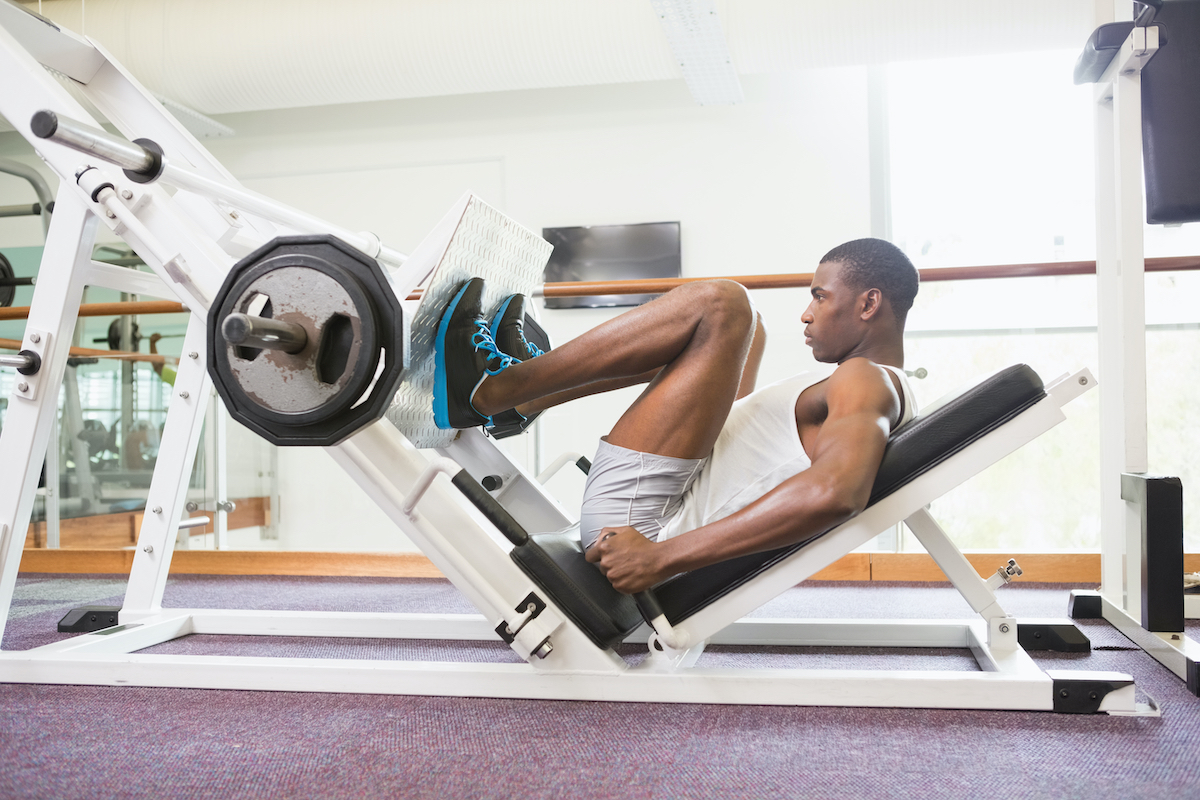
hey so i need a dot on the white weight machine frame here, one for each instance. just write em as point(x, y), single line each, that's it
point(190, 239)
point(1120, 270)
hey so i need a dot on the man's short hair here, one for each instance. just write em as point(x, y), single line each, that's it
point(876, 264)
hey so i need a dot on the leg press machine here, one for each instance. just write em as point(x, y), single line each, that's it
point(227, 253)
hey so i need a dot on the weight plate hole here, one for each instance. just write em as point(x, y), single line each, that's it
point(333, 354)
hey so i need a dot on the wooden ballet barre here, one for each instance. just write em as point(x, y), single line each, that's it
point(108, 309)
point(797, 280)
point(660, 285)
point(802, 279)
point(87, 352)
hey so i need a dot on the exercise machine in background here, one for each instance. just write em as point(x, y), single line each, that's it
point(1147, 114)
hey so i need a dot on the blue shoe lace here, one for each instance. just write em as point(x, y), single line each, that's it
point(482, 340)
point(534, 350)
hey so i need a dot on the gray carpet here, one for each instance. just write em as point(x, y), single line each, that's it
point(67, 742)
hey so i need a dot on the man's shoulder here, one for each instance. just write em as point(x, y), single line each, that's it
point(861, 378)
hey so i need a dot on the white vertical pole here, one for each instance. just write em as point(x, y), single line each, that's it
point(26, 433)
point(1112, 435)
point(1122, 326)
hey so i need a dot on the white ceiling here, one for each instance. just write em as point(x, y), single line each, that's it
point(222, 56)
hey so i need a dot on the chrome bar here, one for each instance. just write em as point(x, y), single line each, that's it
point(96, 142)
point(17, 361)
point(270, 334)
point(21, 210)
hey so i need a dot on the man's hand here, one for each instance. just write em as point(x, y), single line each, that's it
point(628, 559)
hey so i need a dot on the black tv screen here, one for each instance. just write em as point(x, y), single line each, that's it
point(611, 253)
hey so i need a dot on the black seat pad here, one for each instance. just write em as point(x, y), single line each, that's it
point(556, 562)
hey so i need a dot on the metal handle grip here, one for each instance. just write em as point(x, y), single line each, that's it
point(491, 509)
point(140, 160)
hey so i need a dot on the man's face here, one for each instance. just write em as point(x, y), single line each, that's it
point(832, 324)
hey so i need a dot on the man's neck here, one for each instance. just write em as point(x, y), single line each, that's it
point(889, 353)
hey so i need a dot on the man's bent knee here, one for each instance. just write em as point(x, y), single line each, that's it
point(728, 304)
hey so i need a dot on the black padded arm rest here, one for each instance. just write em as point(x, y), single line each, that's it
point(555, 562)
point(1102, 47)
point(941, 431)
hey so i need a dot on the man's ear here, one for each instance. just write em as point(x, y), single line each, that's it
point(870, 302)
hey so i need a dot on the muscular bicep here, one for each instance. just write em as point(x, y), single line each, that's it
point(850, 444)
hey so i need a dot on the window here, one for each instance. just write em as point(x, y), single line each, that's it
point(991, 163)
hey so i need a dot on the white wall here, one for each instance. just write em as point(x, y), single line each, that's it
point(767, 186)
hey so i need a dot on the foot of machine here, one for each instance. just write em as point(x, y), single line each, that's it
point(87, 619)
point(1059, 636)
point(1085, 694)
point(1085, 604)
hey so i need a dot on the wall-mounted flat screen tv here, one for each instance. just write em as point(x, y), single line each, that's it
point(611, 253)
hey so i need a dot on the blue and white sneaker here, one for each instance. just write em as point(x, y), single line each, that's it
point(464, 354)
point(508, 332)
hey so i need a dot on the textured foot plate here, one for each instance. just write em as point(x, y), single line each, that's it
point(472, 240)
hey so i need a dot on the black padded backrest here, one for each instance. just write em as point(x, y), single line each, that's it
point(555, 561)
point(939, 432)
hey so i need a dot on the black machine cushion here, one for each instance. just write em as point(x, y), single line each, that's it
point(1101, 48)
point(556, 562)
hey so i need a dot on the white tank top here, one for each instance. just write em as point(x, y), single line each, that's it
point(758, 449)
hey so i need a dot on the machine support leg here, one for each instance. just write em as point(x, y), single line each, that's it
point(168, 488)
point(34, 410)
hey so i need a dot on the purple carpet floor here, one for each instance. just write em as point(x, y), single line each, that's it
point(110, 742)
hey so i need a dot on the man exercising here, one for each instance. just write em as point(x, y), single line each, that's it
point(702, 468)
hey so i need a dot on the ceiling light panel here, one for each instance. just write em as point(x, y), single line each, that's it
point(694, 33)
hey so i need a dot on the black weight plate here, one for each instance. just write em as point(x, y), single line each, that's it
point(298, 380)
point(381, 315)
point(114, 336)
point(7, 293)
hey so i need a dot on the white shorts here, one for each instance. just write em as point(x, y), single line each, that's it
point(641, 490)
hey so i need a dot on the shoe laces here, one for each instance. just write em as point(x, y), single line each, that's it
point(534, 350)
point(482, 340)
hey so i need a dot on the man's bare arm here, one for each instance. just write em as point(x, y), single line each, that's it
point(846, 456)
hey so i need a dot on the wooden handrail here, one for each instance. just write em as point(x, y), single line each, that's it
point(87, 352)
point(660, 285)
point(795, 280)
point(107, 309)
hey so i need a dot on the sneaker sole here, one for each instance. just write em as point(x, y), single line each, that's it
point(441, 402)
